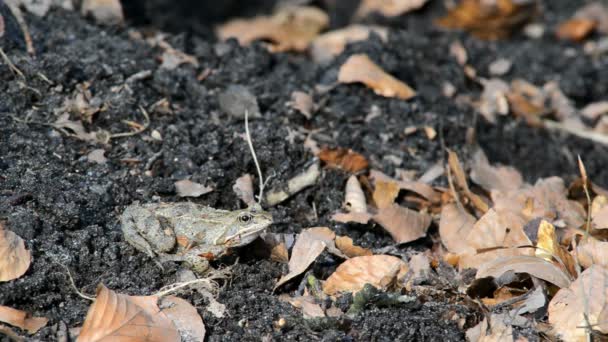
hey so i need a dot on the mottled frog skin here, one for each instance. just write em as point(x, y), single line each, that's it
point(190, 232)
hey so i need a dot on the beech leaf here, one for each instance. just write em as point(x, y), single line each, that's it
point(14, 258)
point(21, 319)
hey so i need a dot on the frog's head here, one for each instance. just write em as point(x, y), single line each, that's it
point(245, 226)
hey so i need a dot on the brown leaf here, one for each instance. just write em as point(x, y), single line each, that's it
point(291, 28)
point(243, 188)
point(599, 212)
point(359, 68)
point(403, 224)
point(185, 317)
point(454, 224)
point(115, 315)
point(385, 194)
point(14, 258)
point(390, 8)
point(188, 188)
point(330, 44)
point(584, 298)
point(524, 107)
point(309, 245)
point(381, 271)
point(548, 248)
point(592, 252)
point(308, 305)
point(497, 329)
point(342, 158)
point(489, 19)
point(493, 99)
point(74, 128)
point(575, 29)
point(418, 187)
point(345, 244)
point(303, 103)
point(108, 12)
point(461, 180)
point(537, 267)
point(21, 319)
point(502, 178)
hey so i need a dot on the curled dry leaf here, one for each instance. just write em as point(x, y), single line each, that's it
point(381, 271)
point(592, 252)
point(343, 158)
point(489, 19)
point(404, 225)
point(243, 188)
point(114, 315)
point(297, 183)
point(108, 12)
point(309, 245)
point(21, 319)
point(385, 193)
point(575, 29)
point(502, 178)
point(359, 68)
point(537, 267)
point(185, 317)
point(418, 187)
point(188, 188)
point(303, 103)
point(330, 44)
point(594, 110)
point(390, 8)
point(497, 329)
point(581, 306)
point(354, 202)
point(460, 179)
point(548, 248)
point(455, 223)
point(291, 28)
point(14, 258)
point(345, 244)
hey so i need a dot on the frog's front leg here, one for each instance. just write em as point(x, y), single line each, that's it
point(144, 231)
point(197, 258)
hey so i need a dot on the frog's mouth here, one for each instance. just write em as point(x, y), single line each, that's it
point(243, 237)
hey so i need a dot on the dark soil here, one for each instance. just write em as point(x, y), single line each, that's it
point(65, 207)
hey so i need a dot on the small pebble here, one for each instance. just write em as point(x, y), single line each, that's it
point(499, 67)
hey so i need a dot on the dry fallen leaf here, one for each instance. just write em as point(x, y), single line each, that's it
point(418, 187)
point(534, 266)
point(493, 99)
point(345, 244)
point(388, 8)
point(310, 309)
point(188, 188)
point(595, 11)
point(404, 225)
point(359, 68)
point(385, 193)
point(21, 319)
point(113, 316)
point(592, 252)
point(243, 188)
point(599, 212)
point(108, 12)
point(575, 29)
point(303, 103)
point(97, 156)
point(291, 28)
point(460, 179)
point(583, 303)
point(343, 158)
point(454, 224)
point(595, 109)
point(73, 128)
point(381, 271)
point(14, 258)
point(309, 245)
point(489, 19)
point(502, 178)
point(330, 44)
point(354, 202)
point(497, 329)
point(185, 317)
point(548, 248)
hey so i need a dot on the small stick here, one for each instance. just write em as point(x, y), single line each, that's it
point(255, 158)
point(581, 133)
point(29, 44)
point(137, 131)
point(10, 64)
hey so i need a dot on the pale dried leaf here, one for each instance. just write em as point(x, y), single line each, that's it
point(493, 99)
point(291, 28)
point(354, 198)
point(330, 44)
point(361, 218)
point(534, 266)
point(76, 128)
point(455, 223)
point(500, 67)
point(243, 188)
point(419, 187)
point(500, 330)
point(404, 224)
point(502, 178)
point(345, 244)
point(594, 110)
point(388, 8)
point(114, 316)
point(21, 319)
point(309, 245)
point(381, 271)
point(310, 309)
point(599, 212)
point(15, 259)
point(188, 188)
point(592, 252)
point(498, 229)
point(108, 12)
point(359, 68)
point(185, 317)
point(548, 247)
point(97, 156)
point(585, 297)
point(385, 193)
point(303, 103)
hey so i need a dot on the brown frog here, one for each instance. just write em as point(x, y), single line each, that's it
point(190, 232)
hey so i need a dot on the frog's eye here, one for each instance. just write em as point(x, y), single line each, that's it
point(245, 218)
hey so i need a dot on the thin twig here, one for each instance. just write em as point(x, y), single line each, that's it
point(255, 158)
point(74, 284)
point(583, 171)
point(137, 131)
point(581, 133)
point(10, 64)
point(29, 44)
point(208, 280)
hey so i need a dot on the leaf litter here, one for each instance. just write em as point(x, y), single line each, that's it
point(15, 259)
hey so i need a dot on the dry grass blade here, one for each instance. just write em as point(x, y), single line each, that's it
point(360, 69)
point(116, 316)
point(381, 271)
point(537, 267)
point(461, 181)
point(14, 258)
point(21, 319)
